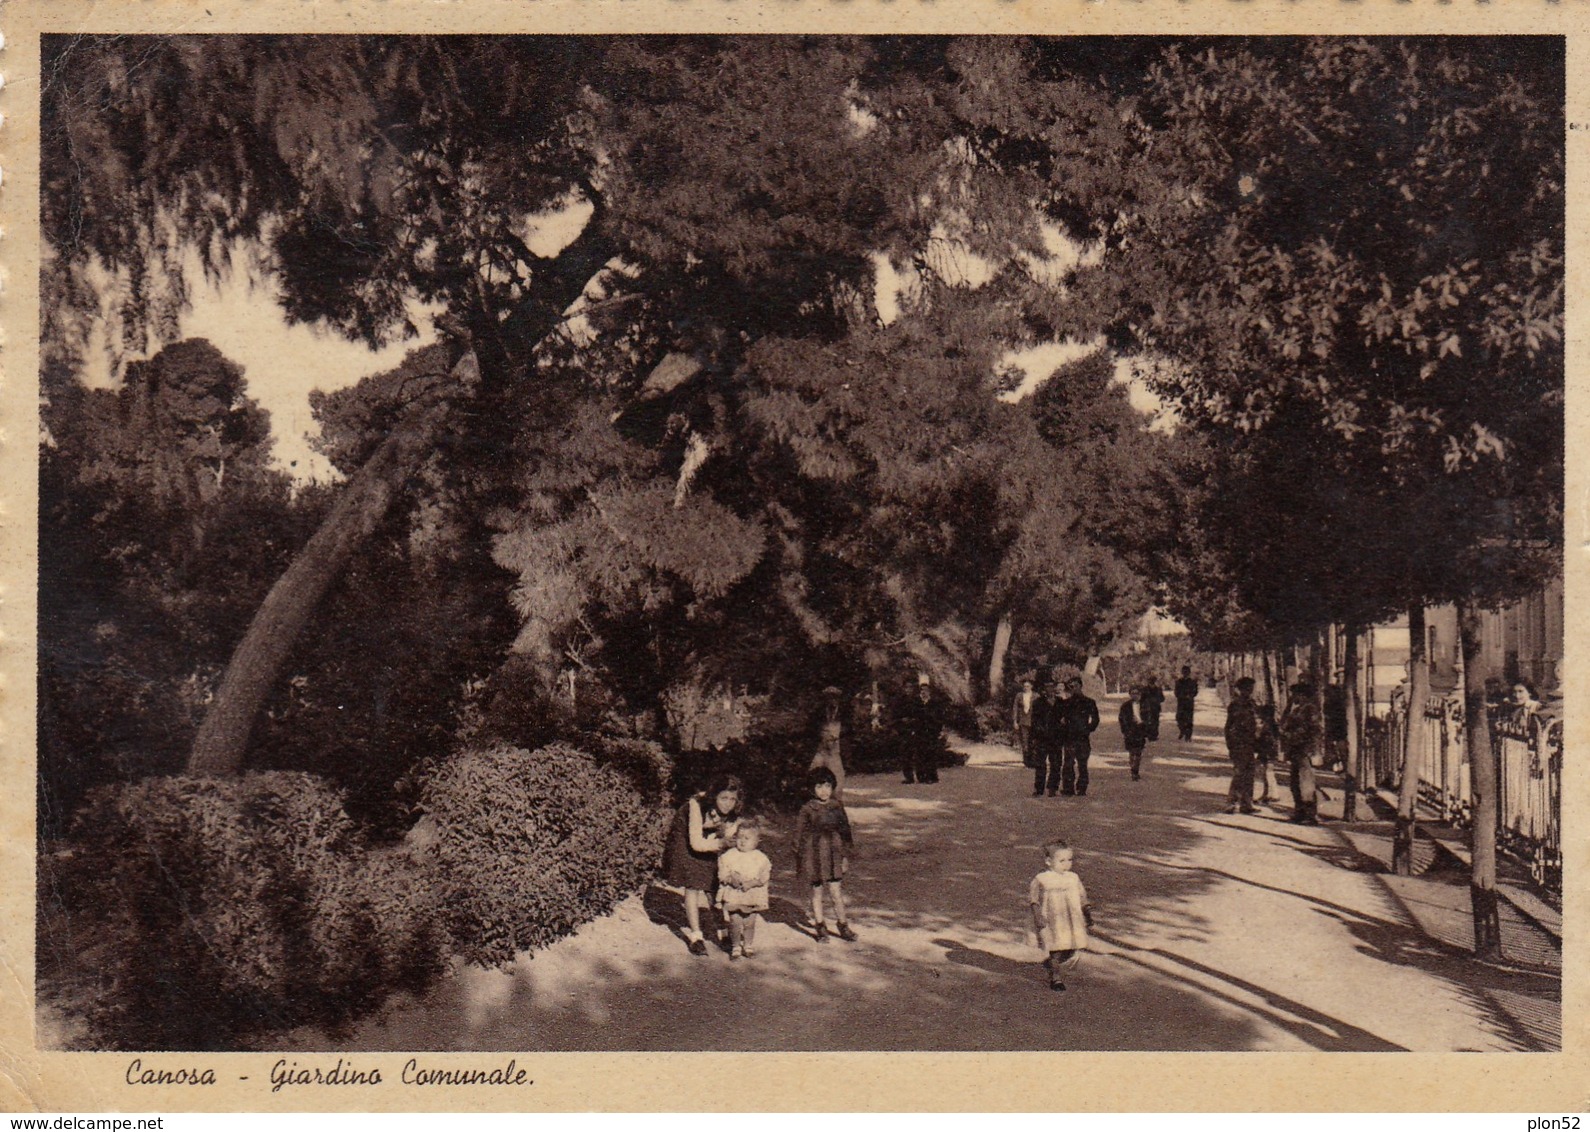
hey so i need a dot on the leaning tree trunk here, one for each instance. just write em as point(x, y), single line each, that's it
point(1354, 723)
point(1483, 776)
point(1412, 746)
point(365, 498)
point(257, 661)
point(996, 663)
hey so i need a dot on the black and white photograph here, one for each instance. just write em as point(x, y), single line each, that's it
point(680, 543)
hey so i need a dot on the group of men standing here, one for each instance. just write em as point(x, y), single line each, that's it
point(1054, 729)
point(1250, 730)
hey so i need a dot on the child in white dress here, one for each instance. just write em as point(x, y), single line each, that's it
point(743, 876)
point(1060, 912)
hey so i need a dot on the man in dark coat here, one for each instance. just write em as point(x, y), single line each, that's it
point(1132, 734)
point(1045, 741)
point(1300, 734)
point(1186, 696)
point(1079, 719)
point(921, 723)
point(1151, 701)
point(1242, 743)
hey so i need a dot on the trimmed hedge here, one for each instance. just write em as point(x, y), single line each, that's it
point(530, 845)
point(222, 908)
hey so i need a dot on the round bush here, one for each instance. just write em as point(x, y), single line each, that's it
point(227, 907)
point(530, 845)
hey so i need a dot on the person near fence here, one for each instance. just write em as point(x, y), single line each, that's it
point(1133, 736)
point(1265, 754)
point(1300, 733)
point(1079, 719)
point(1242, 741)
point(1336, 724)
point(1524, 702)
point(1186, 690)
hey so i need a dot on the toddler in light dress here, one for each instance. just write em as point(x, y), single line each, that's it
point(1060, 912)
point(744, 873)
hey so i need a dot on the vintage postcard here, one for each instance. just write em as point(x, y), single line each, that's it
point(631, 555)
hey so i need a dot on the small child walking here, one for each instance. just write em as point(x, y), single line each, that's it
point(822, 851)
point(1060, 912)
point(743, 876)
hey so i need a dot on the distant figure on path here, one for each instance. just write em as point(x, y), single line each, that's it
point(703, 827)
point(1242, 740)
point(1133, 736)
point(1153, 701)
point(921, 724)
point(1269, 750)
point(1079, 719)
point(830, 738)
point(1060, 912)
point(822, 852)
point(1336, 724)
point(1300, 733)
point(1021, 721)
point(1186, 696)
point(744, 873)
point(1047, 741)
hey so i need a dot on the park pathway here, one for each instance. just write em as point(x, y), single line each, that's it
point(1213, 932)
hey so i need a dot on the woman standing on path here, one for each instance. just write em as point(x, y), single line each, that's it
point(703, 827)
point(830, 738)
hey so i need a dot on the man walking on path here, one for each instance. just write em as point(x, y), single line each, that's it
point(1300, 733)
point(921, 723)
point(1242, 742)
point(1186, 695)
point(1153, 702)
point(1046, 741)
point(1079, 718)
point(1021, 721)
point(1133, 737)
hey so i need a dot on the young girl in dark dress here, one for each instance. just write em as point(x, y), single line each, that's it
point(822, 851)
point(703, 827)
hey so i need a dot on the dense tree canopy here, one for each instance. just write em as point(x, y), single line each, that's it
point(724, 325)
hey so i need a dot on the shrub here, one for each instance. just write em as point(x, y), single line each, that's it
point(993, 724)
point(530, 845)
point(226, 907)
point(641, 761)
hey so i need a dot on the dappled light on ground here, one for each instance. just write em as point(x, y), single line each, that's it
point(1213, 931)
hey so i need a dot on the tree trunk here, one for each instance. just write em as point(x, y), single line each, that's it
point(1483, 776)
point(257, 661)
point(1413, 744)
point(996, 663)
point(1318, 674)
point(219, 747)
point(1354, 723)
point(1269, 679)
